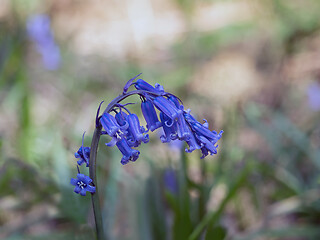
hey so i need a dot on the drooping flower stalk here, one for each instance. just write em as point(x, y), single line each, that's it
point(127, 134)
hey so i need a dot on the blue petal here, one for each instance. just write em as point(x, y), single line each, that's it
point(135, 129)
point(182, 128)
point(81, 177)
point(169, 128)
point(110, 124)
point(175, 101)
point(128, 153)
point(193, 144)
point(150, 115)
point(113, 142)
point(207, 144)
point(77, 155)
point(83, 192)
point(121, 118)
point(77, 189)
point(201, 130)
point(143, 85)
point(167, 107)
point(74, 181)
point(80, 162)
point(90, 189)
point(124, 160)
point(189, 118)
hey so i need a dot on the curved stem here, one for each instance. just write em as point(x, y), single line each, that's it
point(93, 162)
point(93, 176)
point(118, 99)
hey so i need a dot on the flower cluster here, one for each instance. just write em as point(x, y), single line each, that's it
point(127, 134)
point(176, 122)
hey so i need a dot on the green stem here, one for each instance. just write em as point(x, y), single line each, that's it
point(93, 176)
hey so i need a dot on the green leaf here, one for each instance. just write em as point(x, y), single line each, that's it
point(210, 219)
point(216, 233)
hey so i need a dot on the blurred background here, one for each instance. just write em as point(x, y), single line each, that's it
point(250, 67)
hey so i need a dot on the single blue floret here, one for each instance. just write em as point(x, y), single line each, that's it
point(83, 153)
point(167, 107)
point(136, 131)
point(143, 85)
point(169, 128)
point(129, 154)
point(150, 115)
point(113, 129)
point(183, 129)
point(82, 184)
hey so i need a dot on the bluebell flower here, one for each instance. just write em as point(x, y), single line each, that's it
point(83, 153)
point(129, 154)
point(39, 31)
point(150, 115)
point(175, 101)
point(121, 118)
point(143, 85)
point(110, 124)
point(82, 184)
point(183, 130)
point(202, 129)
point(169, 128)
point(136, 131)
point(202, 137)
point(193, 144)
point(206, 146)
point(167, 107)
point(112, 128)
